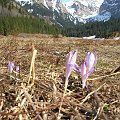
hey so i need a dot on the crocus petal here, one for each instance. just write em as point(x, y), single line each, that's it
point(88, 67)
point(90, 60)
point(77, 69)
point(71, 63)
point(10, 66)
point(83, 69)
point(84, 74)
point(70, 54)
point(71, 57)
point(90, 71)
point(74, 57)
point(17, 68)
point(69, 69)
point(84, 79)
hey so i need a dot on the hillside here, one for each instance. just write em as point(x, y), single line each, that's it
point(15, 19)
point(11, 8)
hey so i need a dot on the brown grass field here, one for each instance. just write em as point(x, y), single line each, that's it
point(35, 93)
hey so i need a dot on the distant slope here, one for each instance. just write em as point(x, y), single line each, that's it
point(15, 19)
point(54, 12)
point(11, 8)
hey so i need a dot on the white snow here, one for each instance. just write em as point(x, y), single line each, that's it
point(104, 17)
point(89, 16)
point(93, 15)
point(96, 3)
point(116, 38)
point(45, 4)
point(54, 5)
point(92, 3)
point(30, 10)
point(90, 37)
point(23, 2)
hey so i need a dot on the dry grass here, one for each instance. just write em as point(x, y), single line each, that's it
point(35, 93)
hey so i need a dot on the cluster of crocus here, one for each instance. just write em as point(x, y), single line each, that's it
point(86, 68)
point(11, 66)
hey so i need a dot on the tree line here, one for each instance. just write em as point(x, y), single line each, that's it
point(101, 29)
point(13, 25)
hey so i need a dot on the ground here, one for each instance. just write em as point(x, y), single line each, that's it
point(37, 94)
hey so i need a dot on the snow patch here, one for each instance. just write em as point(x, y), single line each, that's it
point(88, 3)
point(104, 17)
point(23, 2)
point(116, 38)
point(45, 4)
point(30, 10)
point(54, 5)
point(90, 37)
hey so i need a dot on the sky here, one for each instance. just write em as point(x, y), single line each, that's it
point(65, 0)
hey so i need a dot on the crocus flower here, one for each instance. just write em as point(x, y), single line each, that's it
point(11, 66)
point(71, 63)
point(70, 66)
point(17, 68)
point(87, 67)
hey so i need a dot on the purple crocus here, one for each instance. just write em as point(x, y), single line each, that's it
point(71, 63)
point(17, 68)
point(11, 66)
point(70, 66)
point(87, 67)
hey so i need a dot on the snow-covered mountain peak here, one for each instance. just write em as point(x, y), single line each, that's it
point(83, 8)
point(23, 2)
point(96, 3)
point(74, 10)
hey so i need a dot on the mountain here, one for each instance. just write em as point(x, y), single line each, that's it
point(111, 6)
point(74, 11)
point(50, 10)
point(108, 9)
point(14, 19)
point(11, 8)
point(83, 9)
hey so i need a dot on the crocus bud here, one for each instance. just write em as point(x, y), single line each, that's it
point(71, 63)
point(87, 67)
point(17, 68)
point(11, 66)
point(90, 61)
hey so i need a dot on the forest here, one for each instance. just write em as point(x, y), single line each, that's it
point(14, 25)
point(101, 29)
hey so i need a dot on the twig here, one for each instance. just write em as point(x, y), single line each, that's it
point(1, 105)
point(27, 95)
point(32, 67)
point(105, 76)
point(91, 94)
point(116, 69)
point(100, 109)
point(65, 90)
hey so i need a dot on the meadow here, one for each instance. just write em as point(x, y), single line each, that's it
point(36, 90)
